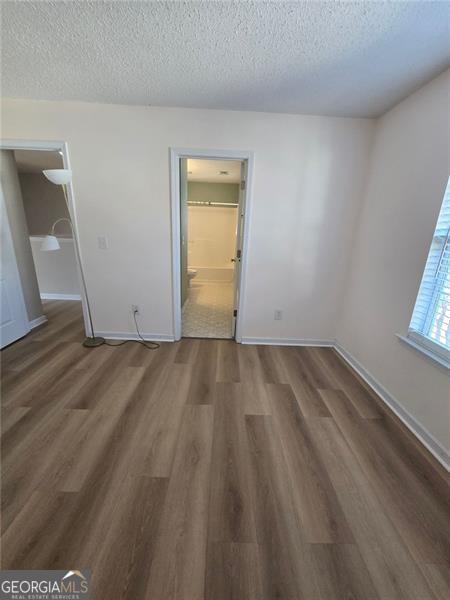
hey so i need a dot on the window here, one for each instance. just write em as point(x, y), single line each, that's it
point(430, 323)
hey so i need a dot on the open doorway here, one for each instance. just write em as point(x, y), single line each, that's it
point(210, 199)
point(209, 209)
point(44, 205)
point(46, 284)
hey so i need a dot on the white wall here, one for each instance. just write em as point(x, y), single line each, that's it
point(409, 171)
point(56, 271)
point(43, 203)
point(211, 236)
point(308, 178)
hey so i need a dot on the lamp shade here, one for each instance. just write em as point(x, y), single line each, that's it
point(50, 242)
point(58, 176)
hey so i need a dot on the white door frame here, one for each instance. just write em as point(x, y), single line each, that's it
point(175, 155)
point(62, 147)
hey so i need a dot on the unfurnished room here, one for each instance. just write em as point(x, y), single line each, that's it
point(225, 300)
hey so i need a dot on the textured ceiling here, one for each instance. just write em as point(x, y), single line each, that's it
point(210, 170)
point(333, 58)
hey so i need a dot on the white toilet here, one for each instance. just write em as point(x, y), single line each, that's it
point(191, 274)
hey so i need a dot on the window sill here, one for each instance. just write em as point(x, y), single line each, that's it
point(425, 351)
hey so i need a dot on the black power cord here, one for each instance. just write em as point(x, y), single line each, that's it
point(148, 345)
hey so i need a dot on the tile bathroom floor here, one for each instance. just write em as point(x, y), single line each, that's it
point(208, 311)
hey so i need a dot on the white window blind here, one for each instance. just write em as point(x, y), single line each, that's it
point(430, 323)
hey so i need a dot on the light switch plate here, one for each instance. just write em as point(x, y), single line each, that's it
point(102, 242)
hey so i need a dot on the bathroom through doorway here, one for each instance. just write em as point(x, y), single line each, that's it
point(211, 226)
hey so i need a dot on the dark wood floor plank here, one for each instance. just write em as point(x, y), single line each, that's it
point(227, 362)
point(418, 458)
point(102, 427)
point(99, 493)
point(254, 399)
point(302, 383)
point(204, 374)
point(32, 536)
point(156, 368)
point(417, 513)
point(35, 381)
point(340, 572)
point(342, 378)
point(230, 504)
point(392, 569)
point(317, 376)
point(25, 431)
point(121, 570)
point(61, 393)
point(315, 498)
point(187, 350)
point(158, 432)
point(24, 471)
point(178, 567)
point(124, 414)
point(94, 388)
point(272, 367)
point(67, 331)
point(21, 353)
point(143, 355)
point(11, 416)
point(438, 577)
point(233, 572)
point(285, 557)
point(21, 350)
point(58, 317)
point(250, 364)
point(31, 357)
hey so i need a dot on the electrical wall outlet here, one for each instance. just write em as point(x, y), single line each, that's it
point(135, 309)
point(278, 315)
point(102, 242)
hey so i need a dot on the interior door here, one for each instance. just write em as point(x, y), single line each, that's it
point(184, 229)
point(239, 240)
point(14, 322)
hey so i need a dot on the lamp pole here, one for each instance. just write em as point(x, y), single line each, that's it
point(93, 340)
point(62, 177)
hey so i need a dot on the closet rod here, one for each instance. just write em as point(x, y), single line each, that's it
point(199, 203)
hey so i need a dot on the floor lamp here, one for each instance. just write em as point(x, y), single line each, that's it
point(62, 177)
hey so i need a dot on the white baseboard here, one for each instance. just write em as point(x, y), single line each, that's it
point(124, 335)
point(285, 342)
point(38, 321)
point(46, 296)
point(425, 437)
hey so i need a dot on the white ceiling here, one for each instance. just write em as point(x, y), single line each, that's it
point(35, 161)
point(209, 170)
point(333, 58)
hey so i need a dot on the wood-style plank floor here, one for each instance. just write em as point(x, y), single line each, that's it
point(209, 470)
